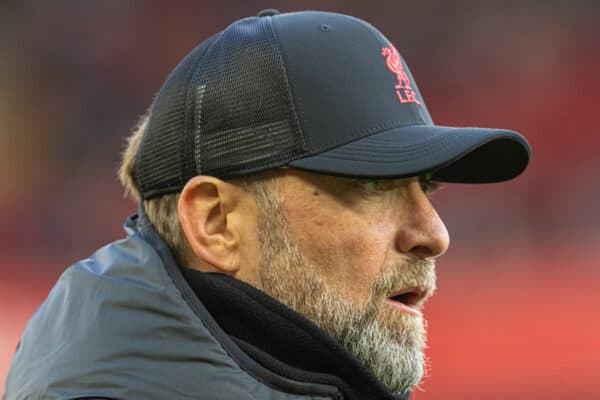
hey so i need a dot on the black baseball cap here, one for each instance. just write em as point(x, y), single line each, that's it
point(318, 91)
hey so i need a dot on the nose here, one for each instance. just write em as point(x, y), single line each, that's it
point(421, 231)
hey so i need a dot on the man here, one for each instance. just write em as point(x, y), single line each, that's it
point(284, 244)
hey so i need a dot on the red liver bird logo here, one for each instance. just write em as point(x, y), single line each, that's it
point(404, 90)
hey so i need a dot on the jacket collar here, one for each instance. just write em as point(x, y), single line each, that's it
point(258, 329)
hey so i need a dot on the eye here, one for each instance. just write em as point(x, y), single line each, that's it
point(428, 186)
point(372, 186)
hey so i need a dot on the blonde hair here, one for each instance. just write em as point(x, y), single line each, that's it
point(162, 211)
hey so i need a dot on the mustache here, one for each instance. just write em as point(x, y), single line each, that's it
point(411, 272)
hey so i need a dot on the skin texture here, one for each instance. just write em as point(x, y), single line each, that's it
point(219, 221)
point(351, 231)
point(331, 248)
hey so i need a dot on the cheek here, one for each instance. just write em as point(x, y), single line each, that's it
point(249, 257)
point(348, 250)
point(365, 247)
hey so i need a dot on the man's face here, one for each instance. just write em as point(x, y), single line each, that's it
point(337, 249)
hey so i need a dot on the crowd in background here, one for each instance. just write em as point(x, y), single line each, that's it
point(75, 76)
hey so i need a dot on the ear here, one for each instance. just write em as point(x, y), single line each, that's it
point(206, 209)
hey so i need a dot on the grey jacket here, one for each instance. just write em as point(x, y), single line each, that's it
point(126, 324)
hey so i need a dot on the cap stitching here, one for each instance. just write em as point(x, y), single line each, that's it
point(414, 154)
point(384, 150)
point(197, 153)
point(376, 129)
point(295, 102)
point(287, 83)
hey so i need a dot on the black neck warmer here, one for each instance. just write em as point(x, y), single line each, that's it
point(281, 339)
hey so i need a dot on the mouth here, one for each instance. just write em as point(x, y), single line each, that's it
point(409, 301)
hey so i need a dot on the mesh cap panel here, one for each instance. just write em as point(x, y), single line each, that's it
point(225, 111)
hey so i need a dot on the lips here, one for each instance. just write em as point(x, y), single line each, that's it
point(408, 300)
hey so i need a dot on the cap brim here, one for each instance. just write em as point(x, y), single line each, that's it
point(466, 155)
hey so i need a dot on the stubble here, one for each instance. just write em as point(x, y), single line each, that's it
point(390, 343)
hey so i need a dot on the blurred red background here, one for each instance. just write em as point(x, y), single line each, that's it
point(516, 311)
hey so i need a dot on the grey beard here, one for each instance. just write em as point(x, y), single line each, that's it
point(390, 344)
point(393, 351)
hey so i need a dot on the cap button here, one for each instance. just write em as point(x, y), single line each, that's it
point(268, 12)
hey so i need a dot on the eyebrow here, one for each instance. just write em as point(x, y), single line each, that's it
point(432, 185)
